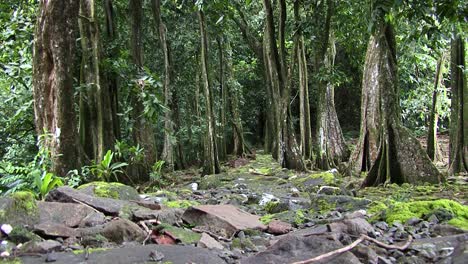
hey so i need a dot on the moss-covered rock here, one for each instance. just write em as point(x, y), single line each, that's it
point(186, 236)
point(181, 203)
point(296, 217)
point(19, 209)
point(402, 211)
point(342, 203)
point(20, 234)
point(113, 190)
point(243, 243)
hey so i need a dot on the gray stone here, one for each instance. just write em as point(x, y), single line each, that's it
point(222, 217)
point(113, 190)
point(169, 216)
point(340, 203)
point(55, 230)
point(298, 248)
point(41, 247)
point(354, 226)
point(68, 214)
point(19, 209)
point(139, 254)
point(206, 241)
point(122, 230)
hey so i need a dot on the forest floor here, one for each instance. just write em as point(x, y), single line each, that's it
point(252, 212)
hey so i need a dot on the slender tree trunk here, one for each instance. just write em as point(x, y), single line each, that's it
point(143, 134)
point(304, 105)
point(432, 146)
point(288, 153)
point(458, 158)
point(95, 111)
point(222, 139)
point(53, 63)
point(211, 165)
point(111, 78)
point(168, 150)
point(400, 157)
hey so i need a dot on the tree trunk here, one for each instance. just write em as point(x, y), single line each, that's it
point(458, 158)
point(304, 105)
point(222, 84)
point(168, 150)
point(432, 146)
point(400, 157)
point(95, 110)
point(143, 134)
point(287, 153)
point(53, 64)
point(211, 165)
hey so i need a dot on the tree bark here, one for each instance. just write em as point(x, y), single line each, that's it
point(222, 84)
point(458, 158)
point(211, 165)
point(168, 149)
point(96, 125)
point(143, 134)
point(400, 157)
point(53, 63)
point(288, 153)
point(432, 146)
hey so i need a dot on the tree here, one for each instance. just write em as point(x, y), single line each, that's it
point(458, 157)
point(287, 153)
point(96, 125)
point(397, 156)
point(211, 163)
point(53, 63)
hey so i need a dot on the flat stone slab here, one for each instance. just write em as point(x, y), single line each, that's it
point(65, 194)
point(224, 220)
point(69, 214)
point(298, 248)
point(169, 216)
point(137, 254)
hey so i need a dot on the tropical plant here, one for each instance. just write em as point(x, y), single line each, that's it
point(105, 169)
point(45, 182)
point(156, 174)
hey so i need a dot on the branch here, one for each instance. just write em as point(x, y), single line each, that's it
point(353, 245)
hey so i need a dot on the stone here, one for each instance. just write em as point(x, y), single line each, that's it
point(41, 247)
point(433, 248)
point(447, 230)
point(112, 190)
point(168, 215)
point(52, 229)
point(222, 217)
point(184, 235)
point(19, 209)
point(277, 227)
point(293, 248)
point(329, 190)
point(68, 214)
point(108, 206)
point(341, 203)
point(206, 241)
point(122, 230)
point(6, 229)
point(139, 254)
point(354, 226)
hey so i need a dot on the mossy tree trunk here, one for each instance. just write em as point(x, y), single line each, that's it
point(399, 157)
point(53, 63)
point(288, 152)
point(143, 134)
point(96, 125)
point(329, 144)
point(458, 158)
point(432, 146)
point(211, 163)
point(223, 108)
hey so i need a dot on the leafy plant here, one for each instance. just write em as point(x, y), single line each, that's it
point(156, 175)
point(46, 182)
point(105, 169)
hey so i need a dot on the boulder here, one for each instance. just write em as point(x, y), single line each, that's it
point(52, 229)
point(341, 203)
point(169, 216)
point(298, 248)
point(223, 220)
point(114, 190)
point(122, 230)
point(206, 241)
point(277, 227)
point(69, 214)
point(450, 249)
point(19, 209)
point(354, 227)
point(41, 247)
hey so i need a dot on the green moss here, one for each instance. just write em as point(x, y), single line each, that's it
point(24, 201)
point(90, 250)
point(180, 203)
point(185, 235)
point(327, 177)
point(266, 219)
point(236, 243)
point(281, 181)
point(185, 192)
point(270, 206)
point(402, 211)
point(165, 193)
point(210, 182)
point(11, 261)
point(114, 190)
point(20, 234)
point(300, 217)
point(324, 206)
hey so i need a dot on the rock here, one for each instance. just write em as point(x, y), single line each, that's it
point(52, 229)
point(41, 247)
point(365, 254)
point(276, 227)
point(19, 209)
point(122, 230)
point(65, 194)
point(266, 197)
point(69, 214)
point(354, 226)
point(329, 190)
point(433, 249)
point(169, 215)
point(243, 243)
point(273, 207)
point(342, 203)
point(149, 204)
point(447, 230)
point(222, 217)
point(20, 234)
point(186, 236)
point(6, 229)
point(206, 241)
point(51, 257)
point(298, 248)
point(139, 254)
point(112, 190)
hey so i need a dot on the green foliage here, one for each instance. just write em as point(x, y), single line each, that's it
point(45, 183)
point(105, 169)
